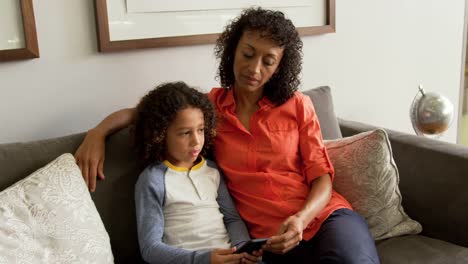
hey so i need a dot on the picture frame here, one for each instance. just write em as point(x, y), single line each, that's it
point(106, 44)
point(29, 48)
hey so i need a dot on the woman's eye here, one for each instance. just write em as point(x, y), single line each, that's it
point(248, 55)
point(201, 130)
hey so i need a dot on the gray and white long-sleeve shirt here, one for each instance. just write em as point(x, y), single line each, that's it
point(182, 214)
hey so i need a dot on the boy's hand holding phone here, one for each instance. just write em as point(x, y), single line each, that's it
point(252, 258)
point(228, 256)
point(252, 250)
point(252, 245)
point(225, 256)
point(242, 255)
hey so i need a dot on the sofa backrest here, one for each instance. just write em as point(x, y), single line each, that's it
point(114, 197)
point(323, 103)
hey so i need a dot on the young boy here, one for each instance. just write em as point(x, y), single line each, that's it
point(184, 211)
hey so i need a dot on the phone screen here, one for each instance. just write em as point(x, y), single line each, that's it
point(252, 245)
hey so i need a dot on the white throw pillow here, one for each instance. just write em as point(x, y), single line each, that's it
point(49, 217)
point(367, 176)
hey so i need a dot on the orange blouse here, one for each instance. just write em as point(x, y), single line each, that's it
point(269, 169)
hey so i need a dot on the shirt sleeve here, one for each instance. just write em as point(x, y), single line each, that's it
point(313, 152)
point(149, 203)
point(235, 226)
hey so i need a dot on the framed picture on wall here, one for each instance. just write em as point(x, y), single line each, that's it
point(18, 37)
point(136, 24)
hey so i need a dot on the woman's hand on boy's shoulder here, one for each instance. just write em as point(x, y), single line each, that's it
point(227, 256)
point(90, 158)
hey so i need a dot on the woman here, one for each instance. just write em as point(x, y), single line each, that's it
point(269, 147)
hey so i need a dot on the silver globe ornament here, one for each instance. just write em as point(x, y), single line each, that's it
point(431, 113)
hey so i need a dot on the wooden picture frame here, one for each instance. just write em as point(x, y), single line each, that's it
point(105, 44)
point(31, 47)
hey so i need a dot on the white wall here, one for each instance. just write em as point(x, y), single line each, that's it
point(382, 51)
point(374, 62)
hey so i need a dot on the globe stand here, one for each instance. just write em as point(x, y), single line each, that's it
point(431, 114)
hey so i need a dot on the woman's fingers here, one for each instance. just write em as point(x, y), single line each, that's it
point(90, 169)
point(101, 170)
point(283, 228)
point(279, 239)
point(290, 245)
point(283, 243)
point(90, 158)
point(92, 176)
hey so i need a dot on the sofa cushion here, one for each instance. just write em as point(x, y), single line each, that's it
point(322, 99)
point(49, 217)
point(367, 176)
point(416, 249)
point(114, 197)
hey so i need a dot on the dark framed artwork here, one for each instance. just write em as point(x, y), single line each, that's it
point(18, 37)
point(132, 24)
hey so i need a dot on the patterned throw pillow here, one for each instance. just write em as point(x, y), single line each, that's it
point(49, 217)
point(367, 176)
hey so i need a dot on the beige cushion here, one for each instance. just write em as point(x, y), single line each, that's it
point(49, 217)
point(367, 176)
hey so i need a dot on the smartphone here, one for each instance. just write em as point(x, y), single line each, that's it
point(252, 245)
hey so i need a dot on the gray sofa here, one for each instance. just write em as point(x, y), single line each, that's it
point(433, 183)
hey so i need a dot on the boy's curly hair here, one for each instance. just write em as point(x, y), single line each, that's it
point(158, 109)
point(275, 26)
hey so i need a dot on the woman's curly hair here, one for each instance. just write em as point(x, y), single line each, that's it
point(157, 110)
point(275, 26)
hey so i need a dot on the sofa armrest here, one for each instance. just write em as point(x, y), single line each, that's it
point(433, 181)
